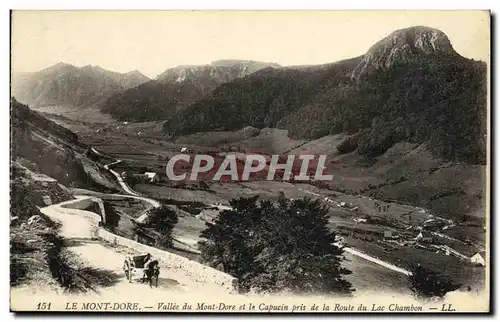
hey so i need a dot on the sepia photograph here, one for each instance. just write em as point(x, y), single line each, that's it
point(250, 161)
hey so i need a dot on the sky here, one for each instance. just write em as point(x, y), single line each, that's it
point(153, 41)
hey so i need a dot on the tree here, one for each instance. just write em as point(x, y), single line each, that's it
point(131, 180)
point(163, 220)
point(112, 217)
point(226, 243)
point(427, 284)
point(273, 248)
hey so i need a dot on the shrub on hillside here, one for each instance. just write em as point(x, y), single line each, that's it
point(350, 144)
point(163, 220)
point(427, 284)
point(112, 217)
point(273, 248)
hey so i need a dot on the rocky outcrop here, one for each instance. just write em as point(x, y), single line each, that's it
point(218, 72)
point(400, 45)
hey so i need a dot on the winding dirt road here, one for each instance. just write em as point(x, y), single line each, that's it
point(119, 178)
point(126, 187)
point(79, 231)
point(80, 234)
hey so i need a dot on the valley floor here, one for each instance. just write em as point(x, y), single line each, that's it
point(149, 150)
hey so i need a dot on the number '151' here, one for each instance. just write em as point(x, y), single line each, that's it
point(43, 306)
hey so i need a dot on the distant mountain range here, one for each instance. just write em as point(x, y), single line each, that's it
point(65, 84)
point(177, 88)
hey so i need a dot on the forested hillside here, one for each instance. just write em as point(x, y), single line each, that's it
point(175, 89)
point(411, 86)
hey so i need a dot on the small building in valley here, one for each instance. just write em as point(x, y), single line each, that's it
point(152, 177)
point(424, 237)
point(479, 258)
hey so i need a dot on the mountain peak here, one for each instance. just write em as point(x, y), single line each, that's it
point(58, 66)
point(234, 62)
point(402, 44)
point(93, 67)
point(65, 84)
point(136, 77)
point(134, 72)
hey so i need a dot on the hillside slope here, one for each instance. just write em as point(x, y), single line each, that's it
point(45, 147)
point(65, 84)
point(32, 251)
point(411, 86)
point(259, 100)
point(175, 89)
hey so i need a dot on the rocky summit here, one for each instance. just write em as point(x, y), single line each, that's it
point(402, 44)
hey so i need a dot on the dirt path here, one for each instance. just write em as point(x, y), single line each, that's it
point(80, 235)
point(77, 226)
point(126, 187)
point(49, 142)
point(119, 178)
point(375, 260)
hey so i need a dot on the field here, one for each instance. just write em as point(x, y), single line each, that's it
point(82, 115)
point(460, 271)
point(247, 139)
point(128, 207)
point(369, 277)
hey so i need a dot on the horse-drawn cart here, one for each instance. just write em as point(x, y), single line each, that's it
point(141, 266)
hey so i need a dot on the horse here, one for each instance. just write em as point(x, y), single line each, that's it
point(152, 271)
point(133, 263)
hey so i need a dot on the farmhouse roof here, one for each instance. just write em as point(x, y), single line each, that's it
point(481, 253)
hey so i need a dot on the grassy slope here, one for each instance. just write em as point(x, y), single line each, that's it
point(54, 150)
point(38, 260)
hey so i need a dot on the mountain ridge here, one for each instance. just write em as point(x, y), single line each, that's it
point(66, 84)
point(176, 88)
